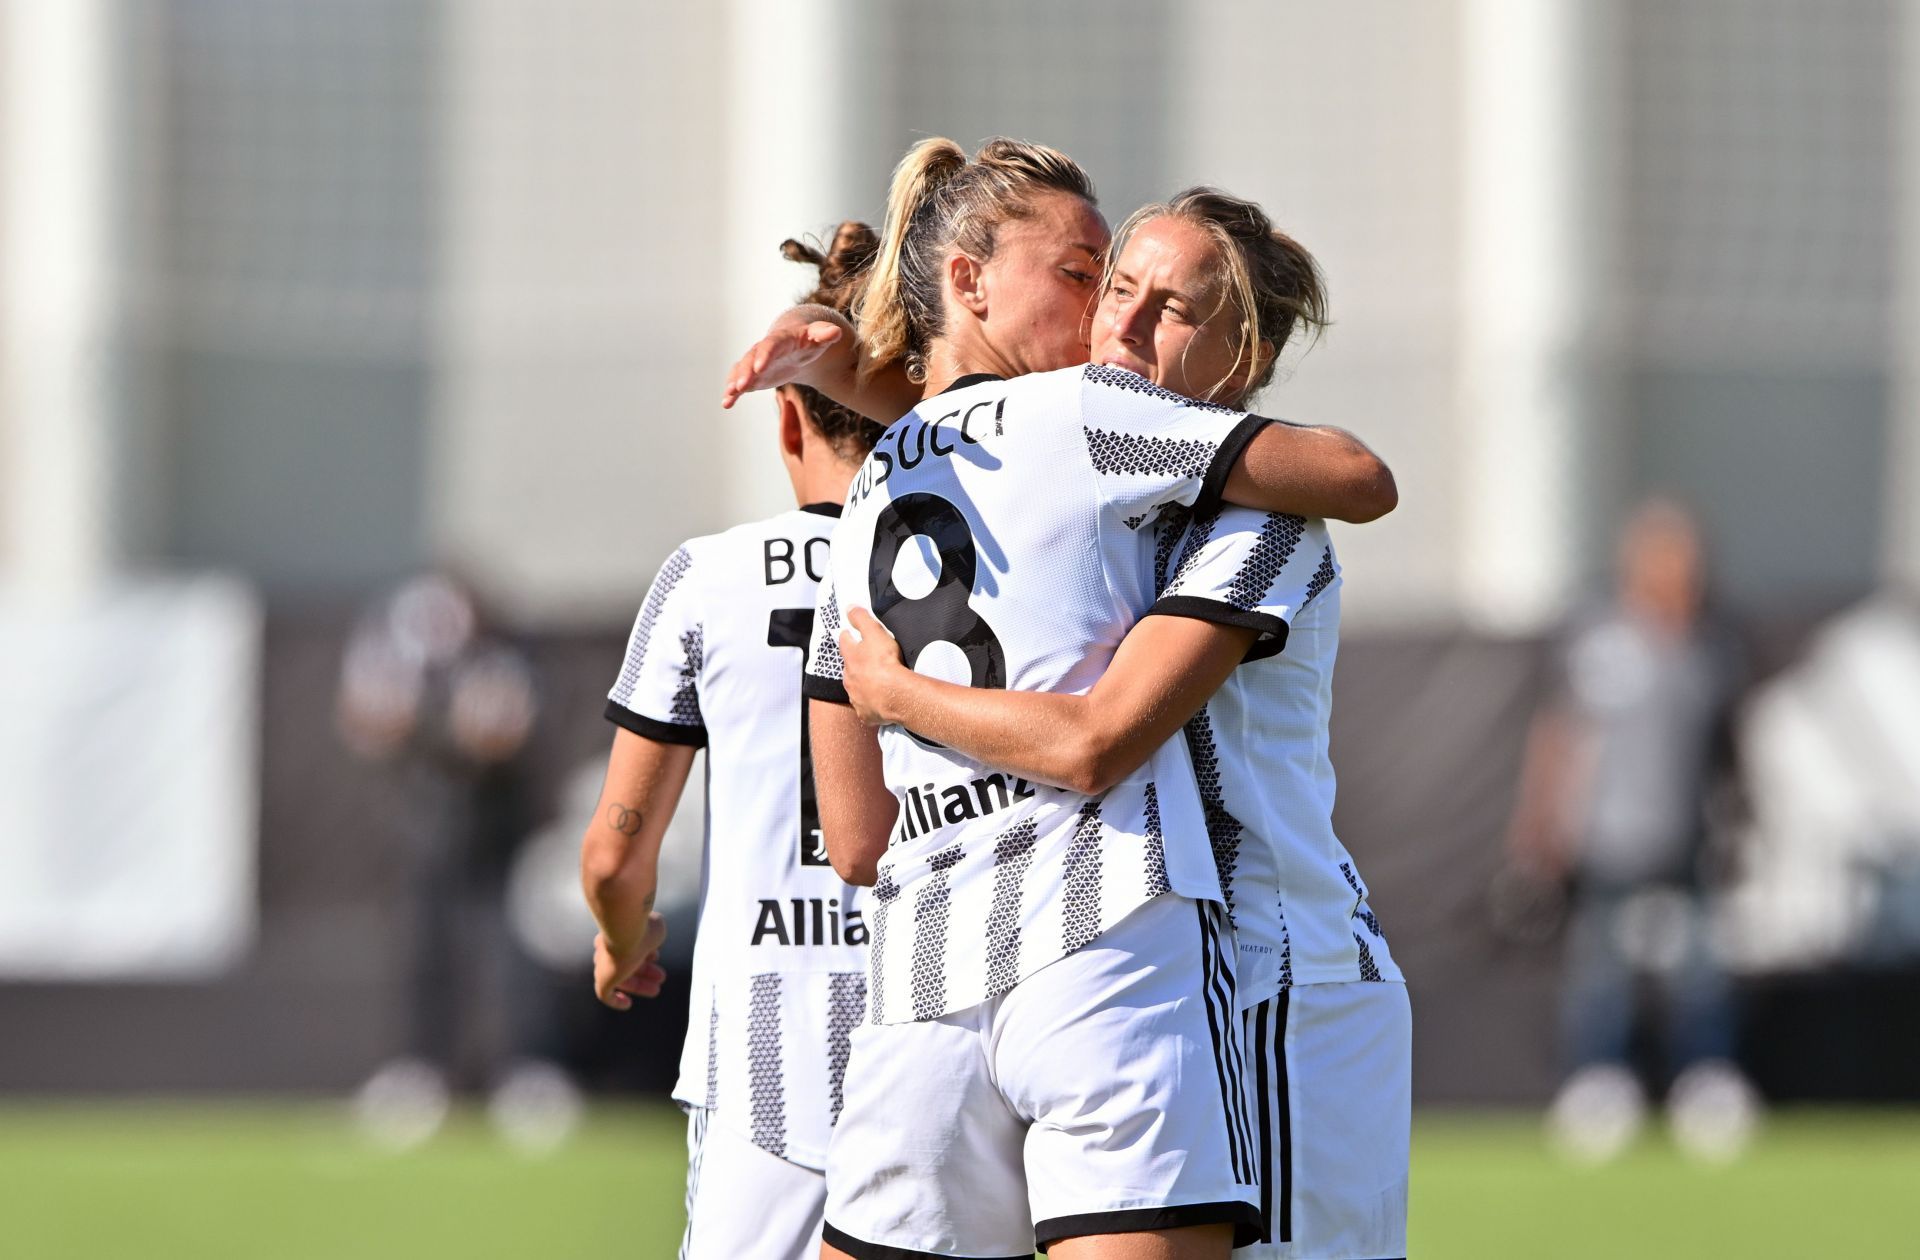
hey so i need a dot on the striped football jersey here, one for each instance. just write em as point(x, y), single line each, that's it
point(1000, 532)
point(779, 961)
point(1259, 747)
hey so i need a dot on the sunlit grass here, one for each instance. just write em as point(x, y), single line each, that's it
point(268, 1180)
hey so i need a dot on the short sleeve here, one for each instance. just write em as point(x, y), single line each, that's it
point(658, 692)
point(824, 678)
point(1242, 567)
point(1152, 448)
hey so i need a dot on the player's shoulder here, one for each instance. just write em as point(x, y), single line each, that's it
point(748, 538)
point(815, 518)
point(1230, 527)
point(1113, 384)
point(694, 562)
point(1317, 539)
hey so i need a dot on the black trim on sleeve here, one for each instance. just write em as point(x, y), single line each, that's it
point(860, 1249)
point(1273, 630)
point(654, 729)
point(821, 509)
point(1215, 483)
point(1244, 1217)
point(814, 687)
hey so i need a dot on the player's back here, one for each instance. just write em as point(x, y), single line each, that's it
point(999, 533)
point(715, 660)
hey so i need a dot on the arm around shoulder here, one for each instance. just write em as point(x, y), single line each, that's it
point(1314, 472)
point(817, 346)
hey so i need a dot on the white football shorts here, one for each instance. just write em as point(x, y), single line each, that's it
point(1330, 1067)
point(1104, 1094)
point(745, 1203)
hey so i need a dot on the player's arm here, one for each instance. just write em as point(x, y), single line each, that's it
point(620, 862)
point(857, 812)
point(1149, 447)
point(1312, 471)
point(1161, 675)
point(816, 346)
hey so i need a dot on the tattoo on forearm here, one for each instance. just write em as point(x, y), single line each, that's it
point(623, 820)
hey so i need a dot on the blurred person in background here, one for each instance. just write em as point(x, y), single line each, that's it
point(429, 690)
point(779, 970)
point(1624, 771)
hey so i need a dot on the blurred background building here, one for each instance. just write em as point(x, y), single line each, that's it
point(299, 300)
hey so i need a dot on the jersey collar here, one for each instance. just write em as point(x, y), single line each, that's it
point(821, 509)
point(971, 378)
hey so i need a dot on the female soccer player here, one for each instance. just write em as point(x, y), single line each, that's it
point(1052, 1038)
point(1202, 296)
point(779, 965)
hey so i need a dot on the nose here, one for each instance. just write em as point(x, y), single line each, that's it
point(1129, 321)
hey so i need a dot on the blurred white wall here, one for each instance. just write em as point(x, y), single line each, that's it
point(1344, 122)
point(58, 307)
point(1900, 543)
point(581, 213)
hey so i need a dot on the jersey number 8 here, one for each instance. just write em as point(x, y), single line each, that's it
point(943, 614)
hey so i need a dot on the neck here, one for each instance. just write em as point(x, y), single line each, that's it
point(822, 481)
point(951, 358)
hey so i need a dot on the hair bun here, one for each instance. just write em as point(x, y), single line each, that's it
point(853, 248)
point(842, 265)
point(801, 252)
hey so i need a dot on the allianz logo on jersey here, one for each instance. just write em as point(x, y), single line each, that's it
point(807, 921)
point(926, 809)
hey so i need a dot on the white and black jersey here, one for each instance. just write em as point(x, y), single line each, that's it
point(1259, 747)
point(779, 963)
point(1000, 532)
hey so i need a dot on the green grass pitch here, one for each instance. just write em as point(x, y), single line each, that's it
point(271, 1180)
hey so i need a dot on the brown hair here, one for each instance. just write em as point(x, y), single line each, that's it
point(1274, 284)
point(842, 273)
point(941, 200)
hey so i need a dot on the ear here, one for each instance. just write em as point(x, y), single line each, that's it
point(793, 421)
point(1262, 357)
point(967, 280)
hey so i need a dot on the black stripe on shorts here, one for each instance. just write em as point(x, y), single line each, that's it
point(1217, 990)
point(1267, 1025)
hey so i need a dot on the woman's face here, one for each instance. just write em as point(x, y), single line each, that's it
point(1042, 281)
point(1163, 318)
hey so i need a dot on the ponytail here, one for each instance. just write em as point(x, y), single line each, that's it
point(893, 309)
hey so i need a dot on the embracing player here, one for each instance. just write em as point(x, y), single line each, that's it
point(779, 964)
point(1203, 295)
point(1053, 1054)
